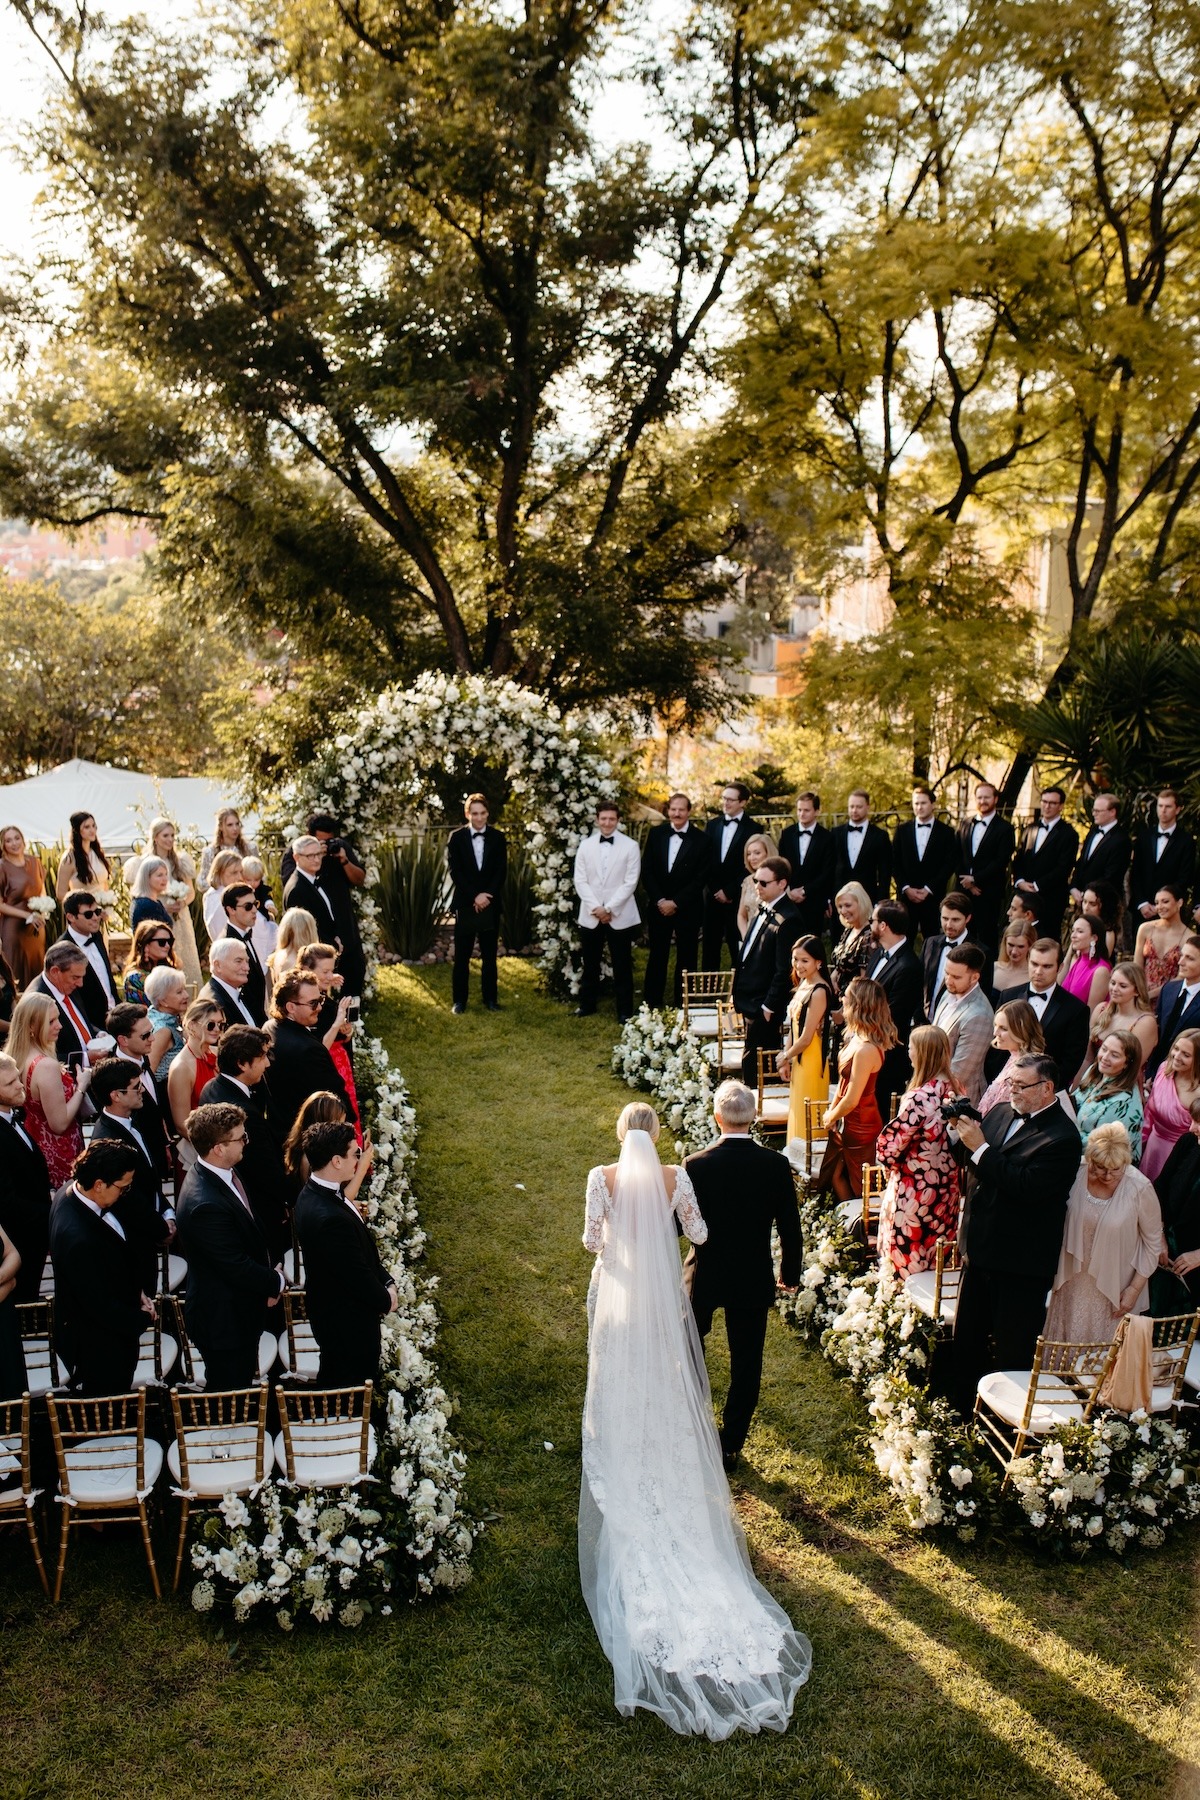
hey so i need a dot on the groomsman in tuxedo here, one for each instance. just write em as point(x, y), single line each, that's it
point(1065, 1021)
point(607, 865)
point(956, 913)
point(241, 911)
point(85, 920)
point(898, 973)
point(1106, 851)
point(807, 847)
point(229, 971)
point(477, 857)
point(25, 1189)
point(1178, 1006)
point(62, 979)
point(1043, 864)
point(100, 1306)
point(243, 1059)
point(148, 1219)
point(862, 852)
point(674, 867)
point(348, 1289)
point(1163, 851)
point(985, 850)
point(130, 1026)
point(726, 838)
point(304, 888)
point(762, 979)
point(924, 857)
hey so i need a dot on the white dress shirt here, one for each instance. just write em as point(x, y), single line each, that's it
point(1165, 832)
point(673, 843)
point(856, 836)
point(214, 981)
point(728, 830)
point(477, 847)
point(977, 831)
point(924, 827)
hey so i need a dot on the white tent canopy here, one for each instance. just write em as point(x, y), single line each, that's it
point(122, 801)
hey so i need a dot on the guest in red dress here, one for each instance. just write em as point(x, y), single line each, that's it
point(921, 1200)
point(853, 1121)
point(53, 1095)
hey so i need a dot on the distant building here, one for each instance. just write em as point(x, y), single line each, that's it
point(772, 668)
point(29, 550)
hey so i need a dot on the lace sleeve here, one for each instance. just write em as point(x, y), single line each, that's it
point(687, 1211)
point(595, 1210)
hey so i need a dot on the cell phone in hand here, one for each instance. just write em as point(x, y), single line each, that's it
point(354, 1011)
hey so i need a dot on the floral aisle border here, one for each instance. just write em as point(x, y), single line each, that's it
point(655, 1053)
point(333, 1556)
point(374, 770)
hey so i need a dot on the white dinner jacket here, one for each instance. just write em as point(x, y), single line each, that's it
point(607, 875)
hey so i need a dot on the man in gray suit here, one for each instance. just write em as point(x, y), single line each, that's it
point(964, 1013)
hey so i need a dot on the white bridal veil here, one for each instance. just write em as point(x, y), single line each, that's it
point(690, 1633)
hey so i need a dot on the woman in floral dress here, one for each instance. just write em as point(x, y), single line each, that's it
point(921, 1200)
point(1159, 941)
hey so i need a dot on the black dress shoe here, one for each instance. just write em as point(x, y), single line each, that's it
point(490, 1006)
point(583, 1012)
point(730, 1460)
point(458, 1008)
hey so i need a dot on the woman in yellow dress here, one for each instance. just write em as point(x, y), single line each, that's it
point(809, 1012)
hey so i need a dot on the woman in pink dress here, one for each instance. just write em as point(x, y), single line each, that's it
point(1175, 1087)
point(853, 1122)
point(1087, 969)
point(53, 1095)
point(921, 1200)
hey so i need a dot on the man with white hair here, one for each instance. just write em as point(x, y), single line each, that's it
point(743, 1190)
point(229, 965)
point(304, 888)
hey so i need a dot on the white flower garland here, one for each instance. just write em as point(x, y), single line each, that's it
point(373, 774)
point(656, 1054)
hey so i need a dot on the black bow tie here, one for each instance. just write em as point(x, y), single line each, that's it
point(676, 832)
point(806, 831)
point(854, 828)
point(924, 824)
point(1163, 834)
point(477, 834)
point(605, 840)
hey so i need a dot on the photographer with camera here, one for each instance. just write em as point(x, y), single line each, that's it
point(1020, 1163)
point(333, 872)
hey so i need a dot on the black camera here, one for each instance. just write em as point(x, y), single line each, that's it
point(333, 845)
point(960, 1109)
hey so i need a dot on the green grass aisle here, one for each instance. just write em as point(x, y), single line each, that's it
point(972, 1674)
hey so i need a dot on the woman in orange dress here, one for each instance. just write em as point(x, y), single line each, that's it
point(22, 932)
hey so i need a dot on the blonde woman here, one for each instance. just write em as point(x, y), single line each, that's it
point(1127, 1008)
point(854, 948)
point(194, 1066)
point(54, 1096)
point(1111, 1245)
point(1167, 1117)
point(161, 842)
point(1011, 968)
point(756, 851)
point(853, 1121)
point(227, 835)
point(921, 1201)
point(1015, 1030)
point(225, 869)
point(297, 930)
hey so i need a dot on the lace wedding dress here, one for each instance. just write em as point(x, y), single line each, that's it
point(690, 1633)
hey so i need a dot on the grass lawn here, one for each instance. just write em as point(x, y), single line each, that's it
point(963, 1673)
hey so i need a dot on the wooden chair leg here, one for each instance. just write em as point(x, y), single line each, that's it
point(62, 1553)
point(149, 1549)
point(183, 1525)
point(35, 1541)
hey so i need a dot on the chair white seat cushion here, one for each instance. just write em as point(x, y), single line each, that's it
point(1191, 1375)
point(326, 1452)
point(702, 1021)
point(268, 1350)
point(144, 1374)
point(220, 1458)
point(113, 1477)
point(38, 1378)
point(10, 1470)
point(922, 1288)
point(1005, 1392)
point(775, 1103)
point(1162, 1399)
point(289, 1269)
point(308, 1354)
point(176, 1273)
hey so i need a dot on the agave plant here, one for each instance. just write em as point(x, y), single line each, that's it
point(412, 894)
point(516, 900)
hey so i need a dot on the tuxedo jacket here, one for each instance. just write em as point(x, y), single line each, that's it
point(989, 865)
point(900, 977)
point(312, 897)
point(25, 1207)
point(142, 1208)
point(302, 1066)
point(873, 870)
point(1177, 864)
point(814, 874)
point(1188, 1020)
point(684, 881)
point(69, 1042)
point(931, 956)
point(1050, 867)
point(470, 880)
point(255, 991)
point(1016, 1195)
point(1177, 1185)
point(153, 1123)
point(728, 873)
point(221, 996)
point(94, 1001)
point(935, 869)
point(1103, 857)
point(763, 976)
point(743, 1191)
point(346, 1284)
point(261, 1169)
point(1066, 1027)
point(98, 1317)
point(230, 1274)
point(606, 875)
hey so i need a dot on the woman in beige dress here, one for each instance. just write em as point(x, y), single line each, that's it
point(84, 866)
point(1111, 1244)
point(227, 835)
point(1127, 1008)
point(160, 841)
point(22, 933)
point(755, 853)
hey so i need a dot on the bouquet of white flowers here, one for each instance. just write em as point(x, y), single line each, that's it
point(106, 898)
point(43, 905)
point(176, 890)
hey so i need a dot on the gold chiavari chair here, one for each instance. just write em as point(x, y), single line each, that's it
point(18, 1496)
point(814, 1131)
point(934, 1292)
point(874, 1180)
point(220, 1447)
point(107, 1467)
point(327, 1440)
point(299, 1353)
point(43, 1370)
point(774, 1093)
point(702, 993)
point(1063, 1386)
point(1172, 1346)
point(727, 1053)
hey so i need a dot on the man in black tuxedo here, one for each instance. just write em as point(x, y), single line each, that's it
point(477, 857)
point(862, 852)
point(956, 919)
point(896, 969)
point(726, 839)
point(62, 979)
point(302, 1065)
point(674, 868)
point(231, 1282)
point(1065, 1021)
point(1043, 863)
point(85, 925)
point(1178, 1007)
point(243, 1059)
point(807, 848)
point(1021, 1164)
point(130, 1026)
point(762, 977)
point(241, 910)
point(924, 858)
point(337, 870)
point(1106, 851)
point(743, 1191)
point(229, 971)
point(25, 1188)
point(116, 1093)
point(985, 851)
point(100, 1306)
point(348, 1288)
point(1163, 851)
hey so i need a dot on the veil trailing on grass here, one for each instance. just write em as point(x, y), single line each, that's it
point(690, 1633)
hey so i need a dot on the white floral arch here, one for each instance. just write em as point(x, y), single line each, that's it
point(375, 772)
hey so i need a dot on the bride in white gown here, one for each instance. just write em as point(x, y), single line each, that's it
point(690, 1633)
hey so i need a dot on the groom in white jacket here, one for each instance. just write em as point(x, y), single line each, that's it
point(607, 867)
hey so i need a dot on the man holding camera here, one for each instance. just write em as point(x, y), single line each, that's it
point(1020, 1162)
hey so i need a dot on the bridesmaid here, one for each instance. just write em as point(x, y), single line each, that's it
point(22, 932)
point(756, 852)
point(1159, 941)
point(161, 842)
point(84, 866)
point(853, 1122)
point(921, 1201)
point(809, 1013)
point(1176, 1085)
point(227, 835)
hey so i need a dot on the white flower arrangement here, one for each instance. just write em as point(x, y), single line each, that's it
point(656, 1054)
point(930, 1461)
point(42, 904)
point(1117, 1481)
point(106, 898)
point(324, 1556)
point(176, 890)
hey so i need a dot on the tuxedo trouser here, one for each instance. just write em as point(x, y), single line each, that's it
point(997, 1326)
point(746, 1330)
point(231, 1364)
point(105, 1367)
point(467, 928)
point(685, 929)
point(351, 1363)
point(892, 1078)
point(720, 927)
point(761, 1034)
point(620, 950)
point(926, 915)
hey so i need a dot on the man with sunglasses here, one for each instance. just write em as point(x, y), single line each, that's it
point(302, 1065)
point(243, 1061)
point(241, 911)
point(85, 924)
point(762, 976)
